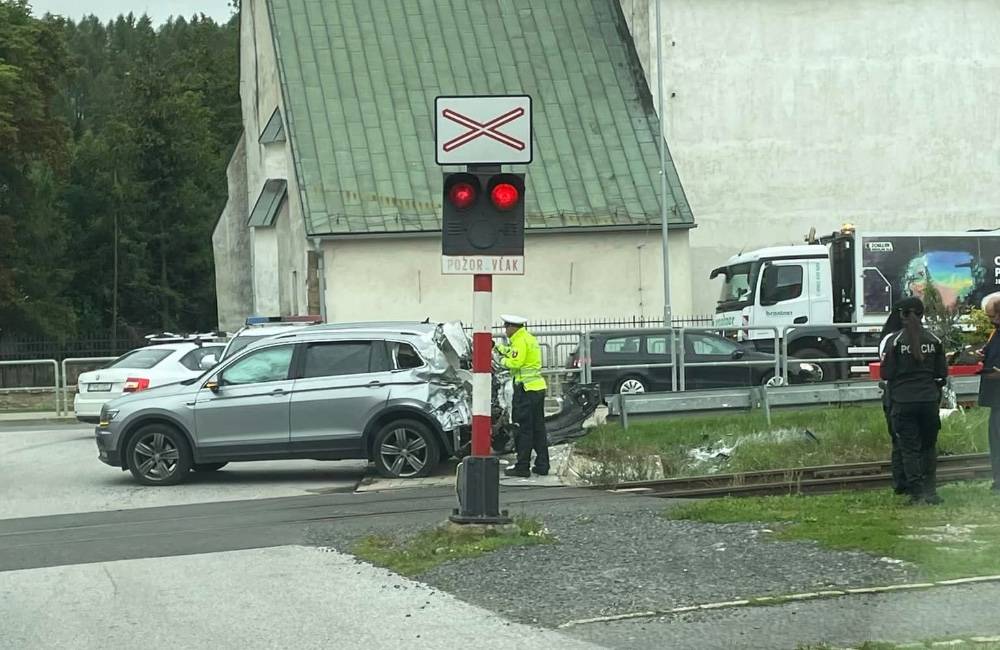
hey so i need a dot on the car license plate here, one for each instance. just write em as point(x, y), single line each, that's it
point(98, 388)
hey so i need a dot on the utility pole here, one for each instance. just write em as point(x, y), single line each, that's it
point(114, 284)
point(667, 312)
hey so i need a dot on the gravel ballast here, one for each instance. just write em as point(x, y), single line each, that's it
point(614, 563)
point(617, 555)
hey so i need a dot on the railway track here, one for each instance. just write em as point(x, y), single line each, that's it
point(801, 480)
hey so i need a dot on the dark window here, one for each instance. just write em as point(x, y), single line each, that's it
point(141, 359)
point(623, 345)
point(194, 357)
point(658, 344)
point(341, 358)
point(268, 364)
point(241, 342)
point(780, 283)
point(704, 344)
point(404, 356)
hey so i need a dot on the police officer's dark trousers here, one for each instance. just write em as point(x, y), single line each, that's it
point(898, 476)
point(916, 425)
point(529, 414)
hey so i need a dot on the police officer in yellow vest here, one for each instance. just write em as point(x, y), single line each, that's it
point(523, 357)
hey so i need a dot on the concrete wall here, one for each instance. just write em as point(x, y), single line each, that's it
point(787, 114)
point(231, 243)
point(571, 275)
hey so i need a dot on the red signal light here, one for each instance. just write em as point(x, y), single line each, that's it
point(462, 195)
point(504, 196)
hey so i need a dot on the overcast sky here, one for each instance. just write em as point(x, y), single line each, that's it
point(158, 10)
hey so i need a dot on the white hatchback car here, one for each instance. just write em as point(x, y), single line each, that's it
point(142, 368)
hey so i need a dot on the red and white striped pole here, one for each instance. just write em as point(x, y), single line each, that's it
point(482, 364)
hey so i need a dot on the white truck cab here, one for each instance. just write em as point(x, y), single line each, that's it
point(828, 298)
point(775, 287)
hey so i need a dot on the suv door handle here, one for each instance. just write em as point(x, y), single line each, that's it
point(278, 391)
point(374, 384)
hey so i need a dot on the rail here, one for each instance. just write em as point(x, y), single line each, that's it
point(800, 480)
point(37, 362)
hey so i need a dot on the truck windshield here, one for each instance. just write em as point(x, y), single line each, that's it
point(738, 283)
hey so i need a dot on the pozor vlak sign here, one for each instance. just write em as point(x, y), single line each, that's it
point(482, 219)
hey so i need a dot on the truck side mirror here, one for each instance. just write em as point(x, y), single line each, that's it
point(208, 361)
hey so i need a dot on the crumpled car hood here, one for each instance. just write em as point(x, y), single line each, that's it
point(448, 351)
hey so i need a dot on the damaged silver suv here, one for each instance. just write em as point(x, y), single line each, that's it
point(387, 392)
point(396, 394)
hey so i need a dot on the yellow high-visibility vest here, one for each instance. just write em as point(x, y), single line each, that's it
point(523, 357)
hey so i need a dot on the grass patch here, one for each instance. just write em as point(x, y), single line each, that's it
point(744, 442)
point(956, 540)
point(429, 548)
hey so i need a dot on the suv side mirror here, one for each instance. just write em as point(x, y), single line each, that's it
point(208, 361)
point(738, 354)
point(213, 383)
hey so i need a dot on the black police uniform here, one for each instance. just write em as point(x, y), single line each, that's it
point(915, 394)
point(896, 456)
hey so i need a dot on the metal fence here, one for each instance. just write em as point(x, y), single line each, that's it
point(52, 383)
point(557, 347)
point(760, 397)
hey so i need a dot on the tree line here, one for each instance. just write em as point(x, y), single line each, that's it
point(114, 141)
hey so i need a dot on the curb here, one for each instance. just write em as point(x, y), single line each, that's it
point(777, 600)
point(27, 419)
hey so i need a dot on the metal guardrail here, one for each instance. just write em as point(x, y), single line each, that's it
point(65, 374)
point(37, 362)
point(764, 397)
point(679, 352)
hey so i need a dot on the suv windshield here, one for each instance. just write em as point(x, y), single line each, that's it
point(241, 342)
point(738, 283)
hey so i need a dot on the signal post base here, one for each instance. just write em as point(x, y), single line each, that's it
point(478, 489)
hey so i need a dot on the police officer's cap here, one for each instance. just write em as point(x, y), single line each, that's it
point(911, 304)
point(511, 319)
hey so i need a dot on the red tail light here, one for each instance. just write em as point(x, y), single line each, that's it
point(136, 384)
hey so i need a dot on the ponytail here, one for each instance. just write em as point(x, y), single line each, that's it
point(913, 328)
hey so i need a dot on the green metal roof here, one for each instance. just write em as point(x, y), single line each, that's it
point(360, 76)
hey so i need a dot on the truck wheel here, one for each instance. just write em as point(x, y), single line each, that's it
point(829, 369)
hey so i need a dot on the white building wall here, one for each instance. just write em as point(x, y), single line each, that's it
point(787, 114)
point(232, 247)
point(266, 279)
point(570, 275)
point(278, 257)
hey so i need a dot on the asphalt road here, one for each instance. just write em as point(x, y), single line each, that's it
point(90, 559)
point(48, 469)
point(285, 597)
